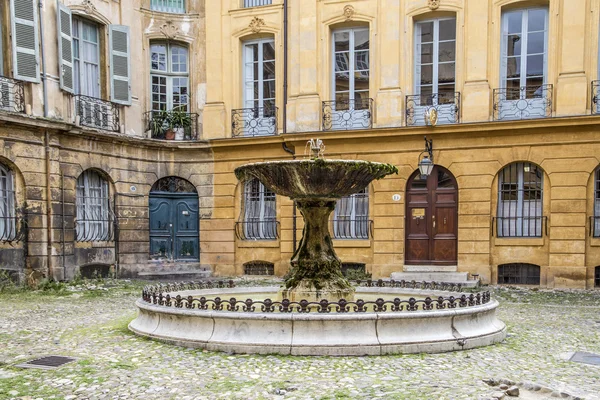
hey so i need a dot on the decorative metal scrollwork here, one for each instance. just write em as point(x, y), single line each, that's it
point(173, 184)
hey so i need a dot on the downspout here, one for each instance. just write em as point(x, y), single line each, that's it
point(49, 263)
point(44, 88)
point(285, 99)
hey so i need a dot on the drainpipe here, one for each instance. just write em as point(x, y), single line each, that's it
point(49, 262)
point(44, 88)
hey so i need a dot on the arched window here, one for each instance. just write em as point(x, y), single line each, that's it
point(596, 218)
point(520, 201)
point(169, 65)
point(519, 274)
point(351, 216)
point(260, 215)
point(7, 205)
point(94, 216)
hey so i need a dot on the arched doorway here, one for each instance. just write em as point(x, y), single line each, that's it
point(431, 219)
point(174, 220)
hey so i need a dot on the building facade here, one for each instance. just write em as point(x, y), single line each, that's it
point(149, 106)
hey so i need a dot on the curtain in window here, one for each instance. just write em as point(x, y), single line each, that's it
point(597, 203)
point(7, 205)
point(170, 6)
point(94, 217)
point(86, 57)
point(260, 215)
point(351, 216)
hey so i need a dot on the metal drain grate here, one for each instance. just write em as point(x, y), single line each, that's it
point(586, 358)
point(50, 362)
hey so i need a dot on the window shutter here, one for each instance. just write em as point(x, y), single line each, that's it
point(64, 25)
point(24, 24)
point(120, 71)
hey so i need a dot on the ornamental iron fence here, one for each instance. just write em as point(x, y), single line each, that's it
point(12, 95)
point(97, 113)
point(258, 121)
point(347, 114)
point(419, 109)
point(172, 125)
point(524, 102)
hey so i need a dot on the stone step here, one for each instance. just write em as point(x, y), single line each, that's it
point(175, 275)
point(445, 277)
point(430, 268)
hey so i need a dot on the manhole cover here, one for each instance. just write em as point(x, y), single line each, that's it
point(586, 358)
point(49, 362)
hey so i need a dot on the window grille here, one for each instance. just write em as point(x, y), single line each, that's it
point(8, 222)
point(173, 184)
point(358, 267)
point(259, 268)
point(256, 3)
point(597, 277)
point(520, 201)
point(260, 215)
point(596, 217)
point(519, 274)
point(95, 218)
point(169, 6)
point(351, 216)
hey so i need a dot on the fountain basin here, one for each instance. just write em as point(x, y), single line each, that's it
point(321, 333)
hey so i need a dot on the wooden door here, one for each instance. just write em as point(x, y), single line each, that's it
point(431, 219)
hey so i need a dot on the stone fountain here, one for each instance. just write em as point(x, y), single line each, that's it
point(316, 185)
point(315, 312)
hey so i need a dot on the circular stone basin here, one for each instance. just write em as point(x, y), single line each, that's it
point(383, 320)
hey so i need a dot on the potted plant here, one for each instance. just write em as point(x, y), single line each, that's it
point(180, 123)
point(159, 124)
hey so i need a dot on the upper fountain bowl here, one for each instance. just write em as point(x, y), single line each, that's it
point(317, 178)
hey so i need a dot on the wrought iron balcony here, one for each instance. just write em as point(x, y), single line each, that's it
point(97, 113)
point(352, 228)
point(523, 103)
point(257, 230)
point(347, 114)
point(595, 97)
point(257, 3)
point(172, 125)
point(259, 121)
point(419, 107)
point(12, 95)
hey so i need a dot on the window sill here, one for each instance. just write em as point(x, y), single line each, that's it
point(351, 243)
point(520, 242)
point(595, 242)
point(257, 243)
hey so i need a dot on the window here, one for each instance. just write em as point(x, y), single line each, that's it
point(435, 59)
point(519, 274)
point(7, 205)
point(1, 43)
point(596, 218)
point(259, 76)
point(597, 277)
point(259, 268)
point(351, 216)
point(170, 77)
point(520, 205)
point(94, 217)
point(256, 3)
point(169, 6)
point(524, 52)
point(351, 67)
point(86, 57)
point(259, 212)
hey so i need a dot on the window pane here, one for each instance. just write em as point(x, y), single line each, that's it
point(426, 51)
point(537, 20)
point(535, 65)
point(446, 73)
point(514, 43)
point(426, 32)
point(515, 24)
point(361, 40)
point(158, 57)
point(426, 74)
point(178, 59)
point(535, 42)
point(341, 82)
point(269, 70)
point(447, 51)
point(342, 41)
point(269, 90)
point(448, 29)
point(513, 67)
point(362, 60)
point(268, 51)
point(341, 61)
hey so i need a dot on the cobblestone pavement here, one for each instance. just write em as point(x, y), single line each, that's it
point(91, 325)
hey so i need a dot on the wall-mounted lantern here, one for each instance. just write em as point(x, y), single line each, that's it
point(426, 159)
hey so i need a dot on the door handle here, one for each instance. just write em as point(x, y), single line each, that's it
point(433, 219)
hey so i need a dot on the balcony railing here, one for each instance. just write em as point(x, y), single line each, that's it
point(260, 121)
point(172, 125)
point(12, 95)
point(168, 6)
point(97, 113)
point(256, 3)
point(257, 230)
point(523, 103)
point(595, 97)
point(352, 228)
point(347, 114)
point(419, 109)
point(520, 226)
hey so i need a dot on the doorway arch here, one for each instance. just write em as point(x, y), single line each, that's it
point(431, 219)
point(174, 225)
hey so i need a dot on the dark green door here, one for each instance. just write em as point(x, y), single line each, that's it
point(174, 226)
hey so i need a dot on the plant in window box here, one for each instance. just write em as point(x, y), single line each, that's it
point(159, 124)
point(181, 122)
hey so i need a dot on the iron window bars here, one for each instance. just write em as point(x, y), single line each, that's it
point(257, 3)
point(12, 95)
point(13, 221)
point(95, 220)
point(351, 217)
point(257, 230)
point(168, 6)
point(597, 277)
point(347, 114)
point(519, 273)
point(595, 97)
point(97, 113)
point(258, 121)
point(525, 102)
point(172, 125)
point(259, 213)
point(419, 106)
point(520, 201)
point(595, 219)
point(259, 268)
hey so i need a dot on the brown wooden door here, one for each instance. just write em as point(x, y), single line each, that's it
point(431, 219)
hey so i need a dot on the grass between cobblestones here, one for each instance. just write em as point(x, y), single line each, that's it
point(89, 321)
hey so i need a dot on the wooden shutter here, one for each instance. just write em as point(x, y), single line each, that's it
point(24, 24)
point(64, 25)
point(120, 70)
